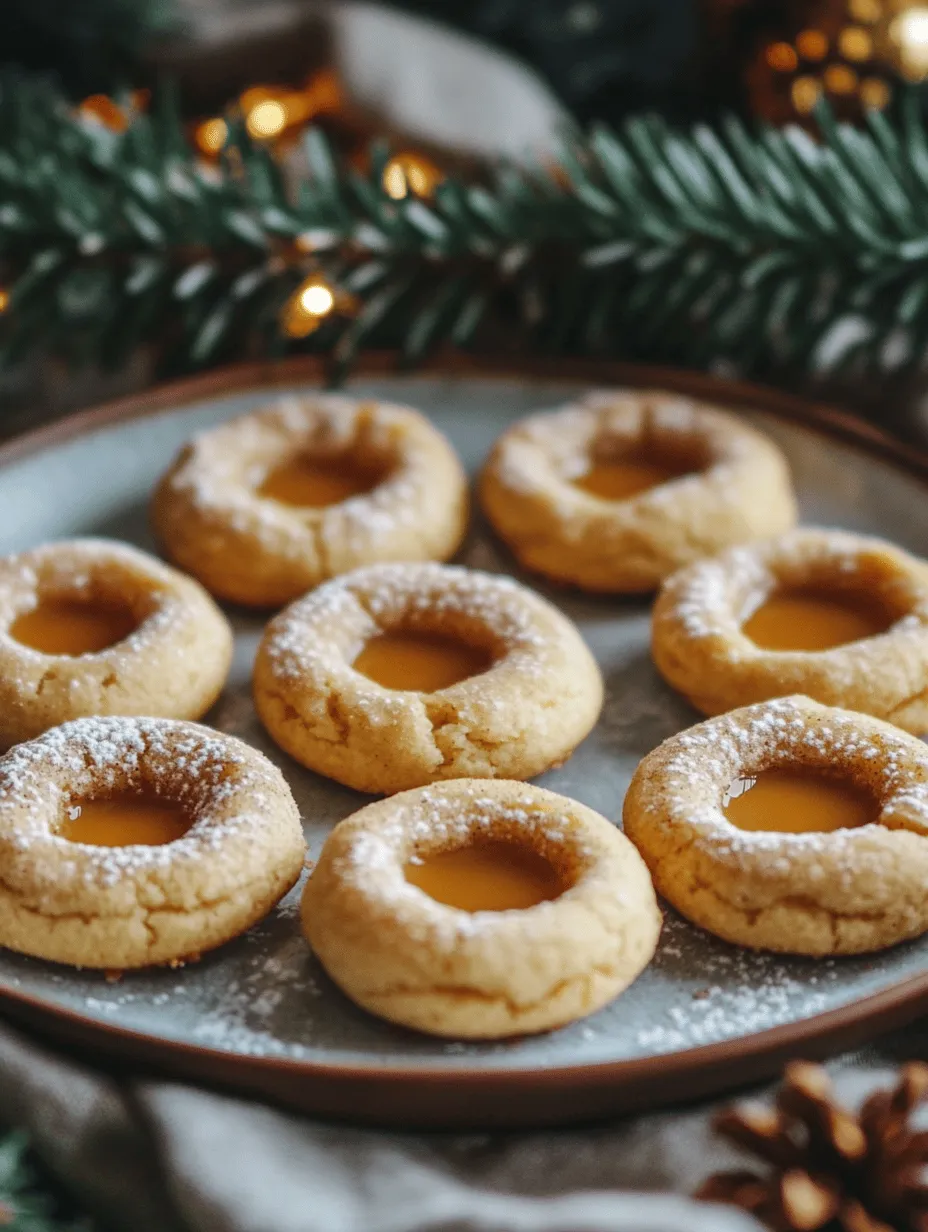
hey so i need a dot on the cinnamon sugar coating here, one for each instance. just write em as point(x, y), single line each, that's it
point(699, 647)
point(138, 905)
point(174, 664)
point(849, 891)
point(486, 974)
point(253, 550)
point(738, 489)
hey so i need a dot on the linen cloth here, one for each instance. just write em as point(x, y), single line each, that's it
point(161, 1157)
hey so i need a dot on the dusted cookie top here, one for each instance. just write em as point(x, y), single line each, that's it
point(484, 974)
point(172, 646)
point(847, 891)
point(701, 634)
point(136, 905)
point(217, 515)
point(539, 695)
point(706, 480)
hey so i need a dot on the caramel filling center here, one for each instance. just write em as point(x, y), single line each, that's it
point(124, 821)
point(808, 620)
point(621, 478)
point(422, 662)
point(798, 802)
point(317, 484)
point(491, 876)
point(70, 627)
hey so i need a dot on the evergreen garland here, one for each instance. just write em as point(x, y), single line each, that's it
point(762, 247)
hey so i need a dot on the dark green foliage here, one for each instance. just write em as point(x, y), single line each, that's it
point(761, 247)
point(25, 1203)
point(88, 45)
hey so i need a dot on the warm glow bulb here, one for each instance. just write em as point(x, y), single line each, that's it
point(805, 92)
point(865, 10)
point(782, 58)
point(266, 119)
point(840, 79)
point(812, 44)
point(911, 28)
point(317, 299)
point(874, 93)
point(211, 135)
point(910, 31)
point(4, 299)
point(855, 44)
point(394, 180)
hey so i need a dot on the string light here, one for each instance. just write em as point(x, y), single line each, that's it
point(407, 173)
point(855, 44)
point(875, 93)
point(840, 79)
point(866, 10)
point(805, 92)
point(101, 109)
point(211, 135)
point(4, 299)
point(270, 112)
point(266, 119)
point(782, 58)
point(307, 307)
point(317, 299)
point(812, 45)
point(910, 32)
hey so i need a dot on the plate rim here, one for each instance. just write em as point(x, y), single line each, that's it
point(663, 1077)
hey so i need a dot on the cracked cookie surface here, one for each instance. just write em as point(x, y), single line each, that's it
point(485, 974)
point(536, 701)
point(849, 891)
point(699, 645)
point(731, 485)
point(526, 713)
point(138, 905)
point(248, 548)
point(173, 663)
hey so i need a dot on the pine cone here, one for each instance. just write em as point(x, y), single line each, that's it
point(830, 1171)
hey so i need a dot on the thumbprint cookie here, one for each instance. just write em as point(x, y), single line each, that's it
point(480, 909)
point(130, 842)
point(620, 490)
point(265, 507)
point(89, 626)
point(396, 675)
point(789, 826)
point(839, 617)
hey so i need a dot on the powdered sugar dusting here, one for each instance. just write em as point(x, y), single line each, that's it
point(222, 470)
point(329, 626)
point(444, 818)
point(550, 447)
point(42, 780)
point(703, 761)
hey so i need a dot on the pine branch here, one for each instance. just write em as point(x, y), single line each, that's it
point(762, 247)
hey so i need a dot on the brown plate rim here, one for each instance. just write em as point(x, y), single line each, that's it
point(596, 1086)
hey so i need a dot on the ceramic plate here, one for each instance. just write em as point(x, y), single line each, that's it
point(259, 1014)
